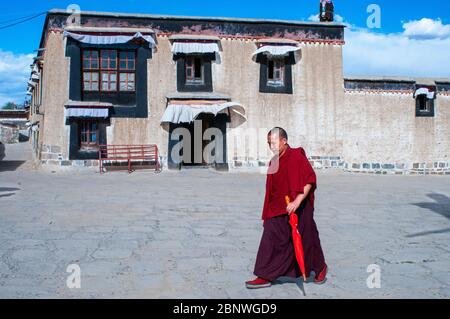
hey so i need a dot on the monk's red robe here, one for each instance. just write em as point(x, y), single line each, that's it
point(287, 177)
point(276, 255)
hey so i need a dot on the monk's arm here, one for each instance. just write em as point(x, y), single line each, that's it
point(299, 199)
point(292, 207)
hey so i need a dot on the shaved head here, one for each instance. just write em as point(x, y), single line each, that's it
point(279, 131)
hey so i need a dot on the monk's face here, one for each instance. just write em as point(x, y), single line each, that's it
point(277, 145)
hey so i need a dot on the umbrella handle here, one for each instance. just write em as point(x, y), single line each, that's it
point(288, 201)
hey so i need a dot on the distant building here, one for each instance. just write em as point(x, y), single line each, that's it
point(138, 78)
point(11, 122)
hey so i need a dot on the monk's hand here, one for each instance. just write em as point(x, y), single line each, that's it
point(293, 206)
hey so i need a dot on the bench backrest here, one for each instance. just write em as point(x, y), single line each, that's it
point(146, 152)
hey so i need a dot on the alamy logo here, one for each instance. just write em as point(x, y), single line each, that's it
point(374, 279)
point(374, 19)
point(74, 279)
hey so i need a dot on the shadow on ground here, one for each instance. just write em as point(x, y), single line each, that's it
point(441, 206)
point(10, 166)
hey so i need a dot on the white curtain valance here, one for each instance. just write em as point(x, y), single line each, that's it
point(424, 91)
point(109, 39)
point(275, 50)
point(195, 47)
point(87, 112)
point(179, 113)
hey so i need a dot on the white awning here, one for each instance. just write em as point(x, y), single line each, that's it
point(424, 91)
point(109, 39)
point(275, 50)
point(182, 113)
point(87, 112)
point(31, 84)
point(195, 47)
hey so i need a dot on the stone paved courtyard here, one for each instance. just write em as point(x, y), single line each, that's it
point(195, 234)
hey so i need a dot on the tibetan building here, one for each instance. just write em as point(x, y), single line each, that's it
point(134, 79)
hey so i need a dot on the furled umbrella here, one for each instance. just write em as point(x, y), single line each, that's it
point(297, 240)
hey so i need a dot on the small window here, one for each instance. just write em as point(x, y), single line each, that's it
point(90, 60)
point(88, 135)
point(194, 70)
point(424, 106)
point(127, 60)
point(109, 81)
point(109, 59)
point(90, 80)
point(127, 82)
point(275, 73)
point(424, 103)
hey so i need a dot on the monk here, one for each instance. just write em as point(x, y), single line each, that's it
point(289, 174)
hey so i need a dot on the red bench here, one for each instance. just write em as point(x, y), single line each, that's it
point(129, 157)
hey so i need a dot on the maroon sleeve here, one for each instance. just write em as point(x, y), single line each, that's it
point(301, 173)
point(266, 200)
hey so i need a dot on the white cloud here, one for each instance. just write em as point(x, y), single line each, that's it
point(403, 54)
point(14, 74)
point(426, 29)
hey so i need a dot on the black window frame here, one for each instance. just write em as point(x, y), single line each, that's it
point(76, 151)
point(183, 84)
point(128, 104)
point(86, 126)
point(114, 95)
point(420, 100)
point(264, 85)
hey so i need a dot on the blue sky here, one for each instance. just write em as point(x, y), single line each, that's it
point(414, 38)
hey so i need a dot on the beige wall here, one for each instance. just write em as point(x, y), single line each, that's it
point(382, 127)
point(54, 132)
point(319, 115)
point(308, 114)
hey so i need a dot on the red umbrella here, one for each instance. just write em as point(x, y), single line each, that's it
point(297, 240)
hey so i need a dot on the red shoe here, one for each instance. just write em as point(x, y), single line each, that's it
point(258, 283)
point(322, 276)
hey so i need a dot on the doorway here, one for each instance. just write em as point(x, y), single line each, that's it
point(201, 143)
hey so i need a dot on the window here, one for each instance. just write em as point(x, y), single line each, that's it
point(90, 80)
point(275, 73)
point(194, 72)
point(109, 71)
point(424, 103)
point(127, 82)
point(424, 106)
point(127, 93)
point(127, 67)
point(88, 134)
point(109, 81)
